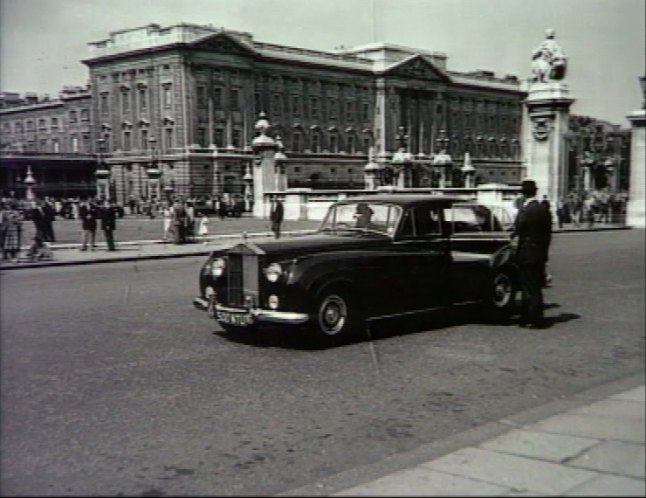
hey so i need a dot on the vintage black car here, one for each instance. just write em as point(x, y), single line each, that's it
point(374, 256)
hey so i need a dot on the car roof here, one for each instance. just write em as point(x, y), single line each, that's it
point(407, 199)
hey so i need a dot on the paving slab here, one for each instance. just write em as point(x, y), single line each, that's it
point(638, 394)
point(614, 408)
point(618, 457)
point(593, 427)
point(516, 472)
point(420, 481)
point(609, 485)
point(541, 445)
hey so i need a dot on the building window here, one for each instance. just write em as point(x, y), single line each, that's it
point(314, 108)
point(43, 145)
point(334, 143)
point(331, 108)
point(349, 110)
point(218, 138)
point(41, 124)
point(19, 128)
point(56, 145)
point(350, 144)
point(296, 106)
point(30, 125)
point(144, 139)
point(85, 115)
point(75, 143)
point(167, 96)
point(297, 140)
point(257, 102)
point(366, 144)
point(217, 98)
point(126, 140)
point(168, 138)
point(201, 137)
point(73, 117)
point(103, 104)
point(277, 104)
point(143, 100)
point(365, 112)
point(125, 102)
point(235, 99)
point(201, 96)
point(236, 138)
point(316, 142)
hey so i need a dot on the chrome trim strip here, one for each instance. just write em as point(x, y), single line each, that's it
point(269, 316)
point(423, 310)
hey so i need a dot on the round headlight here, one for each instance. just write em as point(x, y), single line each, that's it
point(217, 267)
point(273, 271)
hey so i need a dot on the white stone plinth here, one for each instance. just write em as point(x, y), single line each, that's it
point(635, 214)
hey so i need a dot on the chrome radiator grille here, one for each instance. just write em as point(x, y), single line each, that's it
point(242, 271)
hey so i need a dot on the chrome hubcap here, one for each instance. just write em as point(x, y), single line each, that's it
point(502, 289)
point(333, 314)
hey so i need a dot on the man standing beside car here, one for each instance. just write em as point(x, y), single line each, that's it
point(533, 230)
point(276, 216)
point(108, 215)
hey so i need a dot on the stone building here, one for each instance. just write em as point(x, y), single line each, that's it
point(53, 136)
point(172, 110)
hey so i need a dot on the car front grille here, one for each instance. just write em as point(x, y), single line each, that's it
point(242, 279)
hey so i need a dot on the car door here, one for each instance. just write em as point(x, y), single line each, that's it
point(424, 258)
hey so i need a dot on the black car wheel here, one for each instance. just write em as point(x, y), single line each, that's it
point(335, 315)
point(502, 299)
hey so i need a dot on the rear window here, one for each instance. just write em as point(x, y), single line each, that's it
point(469, 219)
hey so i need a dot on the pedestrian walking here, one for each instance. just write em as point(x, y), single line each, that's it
point(108, 218)
point(532, 234)
point(589, 209)
point(190, 221)
point(39, 218)
point(276, 216)
point(50, 215)
point(88, 213)
point(167, 217)
point(179, 222)
point(203, 230)
point(12, 232)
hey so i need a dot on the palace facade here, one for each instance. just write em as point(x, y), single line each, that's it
point(171, 110)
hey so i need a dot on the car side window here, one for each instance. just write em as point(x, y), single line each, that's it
point(421, 222)
point(469, 219)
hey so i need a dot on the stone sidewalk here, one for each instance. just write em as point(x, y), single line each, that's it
point(70, 254)
point(590, 445)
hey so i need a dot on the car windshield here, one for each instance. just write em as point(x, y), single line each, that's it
point(363, 217)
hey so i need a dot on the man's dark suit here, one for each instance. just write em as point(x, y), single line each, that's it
point(38, 216)
point(276, 217)
point(108, 225)
point(533, 227)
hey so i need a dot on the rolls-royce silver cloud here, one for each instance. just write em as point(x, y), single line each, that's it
point(372, 257)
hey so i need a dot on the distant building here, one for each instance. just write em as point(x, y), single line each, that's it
point(172, 111)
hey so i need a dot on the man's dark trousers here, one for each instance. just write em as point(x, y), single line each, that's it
point(531, 281)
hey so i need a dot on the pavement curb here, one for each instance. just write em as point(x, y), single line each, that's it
point(401, 461)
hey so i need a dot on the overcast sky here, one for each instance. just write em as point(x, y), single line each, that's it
point(43, 41)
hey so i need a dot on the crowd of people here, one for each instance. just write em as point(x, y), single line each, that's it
point(590, 207)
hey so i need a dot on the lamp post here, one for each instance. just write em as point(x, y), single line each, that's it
point(468, 171)
point(29, 182)
point(153, 171)
point(401, 159)
point(442, 160)
point(102, 172)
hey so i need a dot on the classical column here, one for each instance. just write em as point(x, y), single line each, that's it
point(635, 216)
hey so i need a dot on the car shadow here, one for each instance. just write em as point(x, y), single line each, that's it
point(382, 329)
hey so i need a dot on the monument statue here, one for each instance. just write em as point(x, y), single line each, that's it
point(548, 60)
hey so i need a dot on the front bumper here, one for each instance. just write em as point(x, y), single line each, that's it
point(256, 315)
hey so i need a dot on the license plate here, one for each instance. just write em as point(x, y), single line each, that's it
point(240, 319)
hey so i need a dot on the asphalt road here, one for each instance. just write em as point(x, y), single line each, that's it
point(112, 384)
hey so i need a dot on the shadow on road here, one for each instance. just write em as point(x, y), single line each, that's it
point(387, 328)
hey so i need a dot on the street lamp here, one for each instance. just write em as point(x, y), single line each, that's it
point(153, 171)
point(442, 160)
point(29, 182)
point(102, 173)
point(402, 158)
